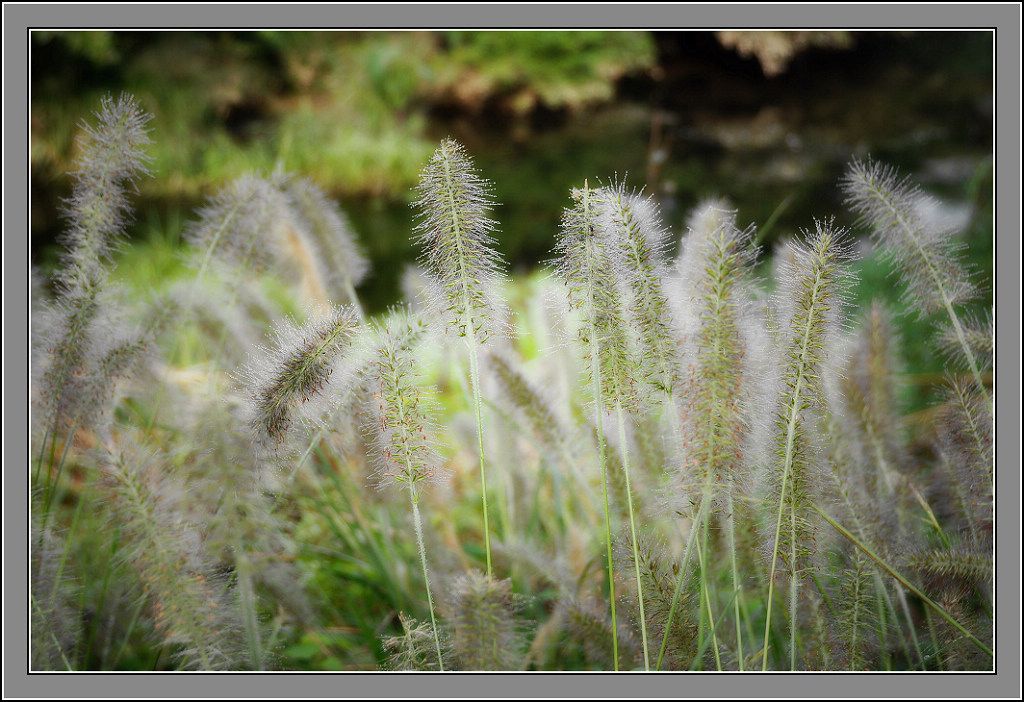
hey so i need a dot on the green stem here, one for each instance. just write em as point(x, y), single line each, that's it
point(106, 579)
point(794, 585)
point(607, 510)
point(160, 390)
point(935, 639)
point(901, 595)
point(737, 602)
point(704, 644)
point(632, 528)
point(771, 574)
point(350, 290)
point(704, 576)
point(53, 485)
point(247, 598)
point(39, 613)
point(414, 499)
point(48, 435)
point(474, 379)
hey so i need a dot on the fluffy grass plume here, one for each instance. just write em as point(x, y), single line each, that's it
point(634, 229)
point(112, 156)
point(404, 428)
point(332, 252)
point(238, 225)
point(925, 255)
point(414, 648)
point(454, 235)
point(715, 268)
point(586, 264)
point(967, 452)
point(295, 370)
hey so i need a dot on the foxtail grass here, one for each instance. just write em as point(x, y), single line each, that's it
point(454, 234)
point(813, 290)
point(405, 436)
point(332, 252)
point(80, 364)
point(876, 546)
point(926, 255)
point(295, 371)
point(485, 632)
point(714, 267)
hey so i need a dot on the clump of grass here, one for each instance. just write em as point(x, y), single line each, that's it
point(193, 609)
point(56, 630)
point(735, 400)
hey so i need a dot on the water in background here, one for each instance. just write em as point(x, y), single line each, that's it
point(712, 125)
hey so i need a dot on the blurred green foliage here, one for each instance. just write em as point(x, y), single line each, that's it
point(345, 108)
point(557, 69)
point(350, 110)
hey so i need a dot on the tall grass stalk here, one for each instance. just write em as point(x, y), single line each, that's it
point(814, 286)
point(713, 266)
point(406, 454)
point(638, 240)
point(454, 234)
point(79, 364)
